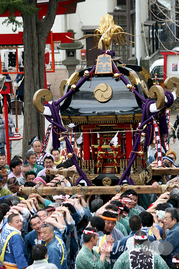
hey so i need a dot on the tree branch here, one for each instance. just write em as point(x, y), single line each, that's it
point(44, 26)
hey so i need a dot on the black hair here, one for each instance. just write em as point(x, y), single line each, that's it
point(112, 207)
point(38, 252)
point(128, 192)
point(49, 157)
point(2, 154)
point(140, 233)
point(10, 217)
point(70, 207)
point(98, 223)
point(35, 216)
point(29, 184)
point(14, 162)
point(125, 196)
point(119, 204)
point(147, 219)
point(87, 237)
point(54, 150)
point(96, 204)
point(42, 209)
point(5, 205)
point(174, 213)
point(174, 200)
point(32, 140)
point(1, 216)
point(31, 172)
point(17, 156)
point(3, 209)
point(109, 215)
point(2, 108)
point(163, 206)
point(6, 201)
point(135, 222)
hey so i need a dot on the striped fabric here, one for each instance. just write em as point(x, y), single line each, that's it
point(158, 143)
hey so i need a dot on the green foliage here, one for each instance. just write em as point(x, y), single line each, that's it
point(11, 6)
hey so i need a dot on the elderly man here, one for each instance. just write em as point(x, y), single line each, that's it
point(139, 256)
point(171, 222)
point(56, 248)
point(15, 254)
point(37, 145)
point(25, 168)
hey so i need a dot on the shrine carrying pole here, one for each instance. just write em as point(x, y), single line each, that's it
point(93, 190)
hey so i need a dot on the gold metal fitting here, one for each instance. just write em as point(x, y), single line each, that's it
point(143, 128)
point(73, 87)
point(140, 153)
point(86, 73)
point(116, 75)
point(70, 155)
point(143, 134)
point(61, 138)
point(129, 86)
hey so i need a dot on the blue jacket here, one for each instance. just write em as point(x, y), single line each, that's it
point(31, 241)
point(124, 244)
point(20, 90)
point(172, 238)
point(15, 251)
point(55, 253)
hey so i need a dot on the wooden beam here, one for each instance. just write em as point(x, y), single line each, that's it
point(93, 190)
point(164, 171)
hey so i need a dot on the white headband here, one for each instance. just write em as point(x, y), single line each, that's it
point(114, 212)
point(174, 260)
point(89, 232)
point(140, 237)
point(128, 200)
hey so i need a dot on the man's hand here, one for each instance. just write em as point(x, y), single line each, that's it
point(156, 233)
point(165, 195)
point(47, 171)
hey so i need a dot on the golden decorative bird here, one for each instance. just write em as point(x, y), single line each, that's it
point(106, 33)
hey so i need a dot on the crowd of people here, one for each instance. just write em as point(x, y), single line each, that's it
point(80, 231)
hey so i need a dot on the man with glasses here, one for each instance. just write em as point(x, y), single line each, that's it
point(49, 164)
